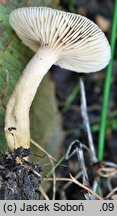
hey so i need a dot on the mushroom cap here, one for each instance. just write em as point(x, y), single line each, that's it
point(80, 44)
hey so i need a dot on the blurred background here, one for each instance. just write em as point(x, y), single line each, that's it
point(55, 115)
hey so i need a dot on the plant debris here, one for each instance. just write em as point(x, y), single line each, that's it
point(18, 181)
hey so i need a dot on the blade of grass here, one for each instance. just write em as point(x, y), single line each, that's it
point(107, 86)
point(71, 97)
point(56, 165)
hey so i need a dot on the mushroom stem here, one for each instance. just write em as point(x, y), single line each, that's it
point(17, 124)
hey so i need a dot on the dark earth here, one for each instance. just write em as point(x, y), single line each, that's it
point(18, 181)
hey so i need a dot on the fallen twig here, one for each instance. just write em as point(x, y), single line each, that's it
point(40, 189)
point(112, 194)
point(73, 180)
point(76, 147)
point(107, 172)
point(52, 163)
point(85, 118)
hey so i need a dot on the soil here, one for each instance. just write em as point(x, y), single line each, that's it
point(18, 181)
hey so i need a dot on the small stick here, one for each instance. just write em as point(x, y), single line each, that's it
point(73, 180)
point(79, 174)
point(40, 189)
point(52, 163)
point(113, 192)
point(107, 172)
point(79, 151)
point(85, 118)
point(42, 149)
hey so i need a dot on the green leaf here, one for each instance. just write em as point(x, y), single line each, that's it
point(13, 58)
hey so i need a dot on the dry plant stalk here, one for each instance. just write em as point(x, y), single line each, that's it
point(107, 172)
point(51, 161)
point(73, 180)
point(40, 189)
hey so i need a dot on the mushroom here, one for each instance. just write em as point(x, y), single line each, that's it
point(69, 40)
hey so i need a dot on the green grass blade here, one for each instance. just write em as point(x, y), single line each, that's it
point(107, 86)
point(71, 97)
